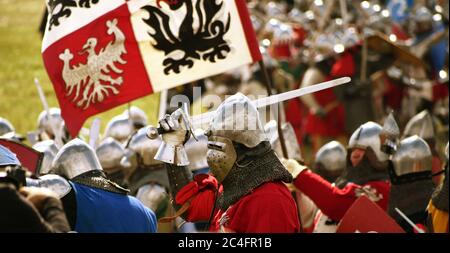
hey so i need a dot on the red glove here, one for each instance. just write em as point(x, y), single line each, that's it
point(201, 182)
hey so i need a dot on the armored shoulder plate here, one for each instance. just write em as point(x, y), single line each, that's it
point(56, 183)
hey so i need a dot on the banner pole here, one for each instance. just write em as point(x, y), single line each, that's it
point(268, 84)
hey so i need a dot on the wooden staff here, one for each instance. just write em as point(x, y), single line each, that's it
point(268, 84)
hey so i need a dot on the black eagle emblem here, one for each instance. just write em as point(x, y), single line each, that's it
point(204, 42)
point(60, 9)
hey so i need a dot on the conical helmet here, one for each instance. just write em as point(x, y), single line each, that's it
point(74, 159)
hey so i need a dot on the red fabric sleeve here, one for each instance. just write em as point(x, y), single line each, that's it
point(344, 66)
point(269, 209)
point(333, 202)
point(201, 193)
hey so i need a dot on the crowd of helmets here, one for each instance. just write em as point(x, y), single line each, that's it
point(301, 42)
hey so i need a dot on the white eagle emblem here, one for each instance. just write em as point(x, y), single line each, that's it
point(92, 78)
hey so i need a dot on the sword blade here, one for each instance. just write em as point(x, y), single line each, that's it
point(267, 101)
point(204, 118)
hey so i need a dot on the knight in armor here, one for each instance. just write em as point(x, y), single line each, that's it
point(247, 190)
point(110, 153)
point(424, 27)
point(49, 149)
point(7, 131)
point(93, 204)
point(411, 183)
point(123, 126)
point(330, 161)
point(306, 208)
point(49, 124)
point(365, 174)
point(423, 126)
point(324, 108)
point(145, 176)
point(438, 206)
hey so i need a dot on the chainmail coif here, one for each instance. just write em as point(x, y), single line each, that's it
point(368, 169)
point(253, 168)
point(411, 197)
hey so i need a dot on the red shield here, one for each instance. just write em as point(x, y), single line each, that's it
point(364, 216)
point(28, 157)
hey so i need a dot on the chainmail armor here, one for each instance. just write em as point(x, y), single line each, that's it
point(179, 176)
point(366, 171)
point(117, 177)
point(253, 167)
point(97, 179)
point(411, 198)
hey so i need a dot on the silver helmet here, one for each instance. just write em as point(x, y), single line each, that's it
point(49, 148)
point(420, 125)
point(368, 135)
point(292, 146)
point(5, 126)
point(332, 157)
point(412, 156)
point(47, 124)
point(110, 152)
point(74, 159)
point(120, 128)
point(152, 195)
point(238, 120)
point(137, 116)
point(196, 151)
point(143, 146)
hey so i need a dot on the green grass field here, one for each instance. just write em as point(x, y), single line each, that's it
point(21, 61)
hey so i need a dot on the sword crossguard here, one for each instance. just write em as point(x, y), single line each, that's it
point(154, 132)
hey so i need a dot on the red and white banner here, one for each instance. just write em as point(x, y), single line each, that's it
point(101, 54)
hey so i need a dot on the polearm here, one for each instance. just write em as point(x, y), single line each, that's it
point(198, 120)
point(344, 12)
point(94, 133)
point(162, 104)
point(58, 139)
point(409, 221)
point(269, 86)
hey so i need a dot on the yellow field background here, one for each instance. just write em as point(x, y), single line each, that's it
point(21, 61)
